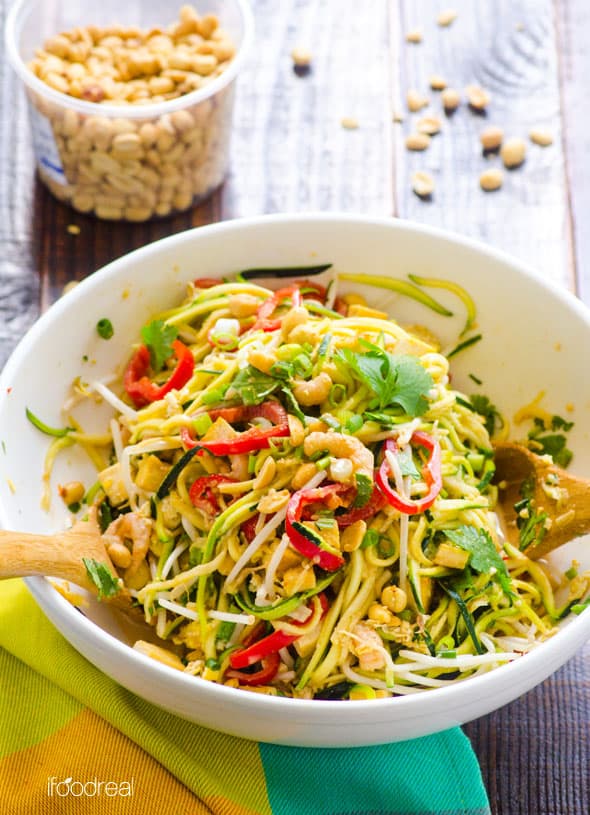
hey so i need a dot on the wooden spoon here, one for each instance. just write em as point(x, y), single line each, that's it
point(562, 496)
point(24, 554)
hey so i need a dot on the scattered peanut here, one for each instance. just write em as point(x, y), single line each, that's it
point(380, 615)
point(429, 125)
point(414, 36)
point(422, 184)
point(477, 97)
point(73, 229)
point(394, 598)
point(491, 138)
point(437, 83)
point(417, 141)
point(491, 179)
point(349, 123)
point(541, 137)
point(416, 100)
point(72, 492)
point(446, 17)
point(513, 152)
point(301, 57)
point(129, 167)
point(451, 99)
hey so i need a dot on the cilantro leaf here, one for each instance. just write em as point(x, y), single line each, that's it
point(159, 338)
point(481, 404)
point(252, 386)
point(102, 577)
point(485, 558)
point(551, 443)
point(394, 379)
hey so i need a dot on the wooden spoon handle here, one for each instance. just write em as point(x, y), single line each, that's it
point(23, 554)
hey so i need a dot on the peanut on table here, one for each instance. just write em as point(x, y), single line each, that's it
point(130, 167)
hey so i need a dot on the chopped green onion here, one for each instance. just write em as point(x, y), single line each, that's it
point(354, 423)
point(323, 463)
point(251, 463)
point(337, 394)
point(215, 395)
point(447, 654)
point(578, 608)
point(105, 328)
point(201, 423)
point(58, 432)
point(571, 573)
point(370, 538)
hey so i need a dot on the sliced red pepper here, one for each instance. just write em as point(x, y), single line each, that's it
point(207, 282)
point(258, 650)
point(202, 495)
point(316, 290)
point(269, 668)
point(255, 438)
point(142, 391)
point(272, 411)
point(376, 502)
point(431, 474)
point(302, 538)
point(267, 309)
point(249, 527)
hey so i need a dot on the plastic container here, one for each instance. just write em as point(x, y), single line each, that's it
point(127, 161)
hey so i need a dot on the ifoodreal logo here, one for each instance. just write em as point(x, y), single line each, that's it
point(91, 788)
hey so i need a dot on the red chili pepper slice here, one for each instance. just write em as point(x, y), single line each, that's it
point(202, 495)
point(376, 502)
point(142, 391)
point(431, 474)
point(255, 438)
point(263, 321)
point(249, 527)
point(258, 650)
point(271, 411)
point(303, 539)
point(206, 282)
point(316, 290)
point(269, 669)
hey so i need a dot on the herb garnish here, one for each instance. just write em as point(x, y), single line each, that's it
point(102, 577)
point(104, 328)
point(395, 380)
point(158, 336)
point(546, 441)
point(485, 558)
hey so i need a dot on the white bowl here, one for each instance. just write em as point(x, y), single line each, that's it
point(534, 338)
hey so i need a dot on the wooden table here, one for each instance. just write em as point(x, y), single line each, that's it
point(291, 152)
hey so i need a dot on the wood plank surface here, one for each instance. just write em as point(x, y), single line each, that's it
point(509, 49)
point(290, 152)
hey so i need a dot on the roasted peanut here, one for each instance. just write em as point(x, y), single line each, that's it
point(128, 167)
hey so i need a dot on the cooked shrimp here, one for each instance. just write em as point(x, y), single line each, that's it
point(313, 391)
point(341, 446)
point(366, 644)
point(134, 527)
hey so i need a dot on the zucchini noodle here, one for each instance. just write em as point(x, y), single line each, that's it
point(300, 501)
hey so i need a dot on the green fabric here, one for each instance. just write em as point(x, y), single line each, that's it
point(437, 775)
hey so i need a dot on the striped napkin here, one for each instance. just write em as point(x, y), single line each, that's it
point(73, 741)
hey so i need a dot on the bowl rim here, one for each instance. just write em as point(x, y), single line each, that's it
point(45, 594)
point(18, 13)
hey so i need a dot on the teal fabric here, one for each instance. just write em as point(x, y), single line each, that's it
point(405, 778)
